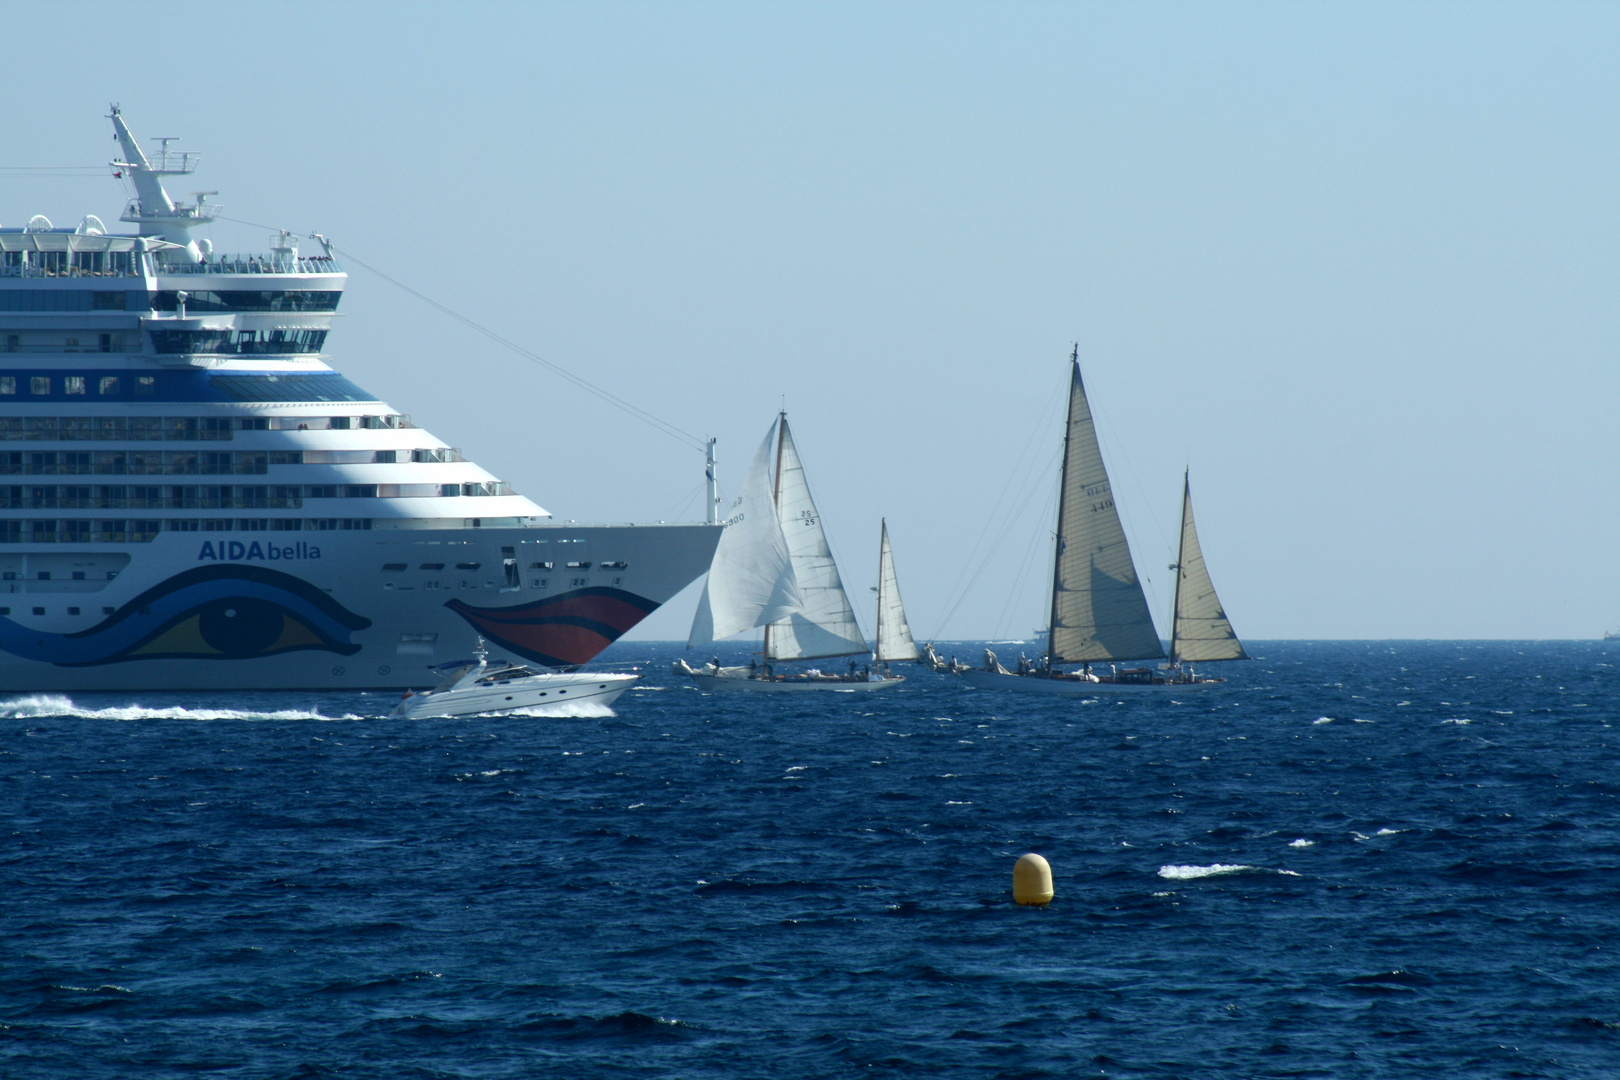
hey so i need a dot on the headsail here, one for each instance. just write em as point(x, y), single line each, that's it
point(893, 632)
point(824, 624)
point(1098, 610)
point(1201, 631)
point(751, 579)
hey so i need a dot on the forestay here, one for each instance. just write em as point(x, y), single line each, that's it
point(1098, 610)
point(1201, 630)
point(824, 624)
point(893, 632)
point(751, 580)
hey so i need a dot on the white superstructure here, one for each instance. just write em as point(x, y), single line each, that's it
point(191, 497)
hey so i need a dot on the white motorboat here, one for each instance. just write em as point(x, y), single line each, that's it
point(480, 685)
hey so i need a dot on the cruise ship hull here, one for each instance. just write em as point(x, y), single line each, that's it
point(333, 610)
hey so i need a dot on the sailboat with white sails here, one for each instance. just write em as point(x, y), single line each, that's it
point(774, 569)
point(1099, 613)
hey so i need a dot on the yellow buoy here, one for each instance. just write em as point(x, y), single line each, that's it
point(1032, 880)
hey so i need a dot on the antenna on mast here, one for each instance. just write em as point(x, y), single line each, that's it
point(713, 515)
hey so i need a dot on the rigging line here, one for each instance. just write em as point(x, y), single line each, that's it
point(1014, 518)
point(1019, 478)
point(643, 415)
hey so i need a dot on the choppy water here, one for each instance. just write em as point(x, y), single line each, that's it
point(1357, 860)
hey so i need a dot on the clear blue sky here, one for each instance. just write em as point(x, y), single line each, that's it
point(1355, 264)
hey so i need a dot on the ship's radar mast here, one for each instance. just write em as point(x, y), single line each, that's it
point(151, 210)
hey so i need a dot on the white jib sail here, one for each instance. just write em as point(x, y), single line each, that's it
point(1098, 610)
point(1201, 631)
point(825, 623)
point(893, 632)
point(751, 580)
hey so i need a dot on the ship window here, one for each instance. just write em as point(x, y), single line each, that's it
point(579, 565)
point(183, 525)
point(286, 457)
point(8, 383)
point(468, 565)
point(73, 611)
point(109, 384)
point(450, 489)
point(618, 565)
point(355, 523)
point(144, 384)
point(360, 491)
point(393, 567)
point(5, 611)
point(216, 525)
point(541, 566)
point(107, 301)
point(73, 384)
point(39, 611)
point(322, 491)
point(290, 388)
point(431, 566)
point(322, 524)
point(254, 524)
point(39, 384)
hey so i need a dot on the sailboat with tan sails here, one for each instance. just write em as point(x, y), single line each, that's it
point(1099, 614)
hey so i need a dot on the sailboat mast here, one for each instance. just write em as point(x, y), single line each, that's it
point(1063, 495)
point(776, 497)
point(1181, 555)
point(883, 549)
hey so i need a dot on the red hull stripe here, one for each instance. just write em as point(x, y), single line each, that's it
point(563, 631)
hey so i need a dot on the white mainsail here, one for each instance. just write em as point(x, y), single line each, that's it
point(751, 580)
point(1201, 630)
point(1098, 610)
point(824, 625)
point(893, 632)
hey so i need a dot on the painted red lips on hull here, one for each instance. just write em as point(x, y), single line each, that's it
point(564, 630)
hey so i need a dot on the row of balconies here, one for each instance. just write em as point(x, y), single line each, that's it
point(216, 497)
point(185, 428)
point(203, 462)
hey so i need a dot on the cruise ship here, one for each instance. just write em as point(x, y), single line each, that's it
point(192, 498)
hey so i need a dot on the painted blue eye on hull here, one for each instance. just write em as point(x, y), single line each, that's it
point(229, 612)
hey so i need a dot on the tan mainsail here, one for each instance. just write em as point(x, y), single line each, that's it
point(1098, 610)
point(1201, 630)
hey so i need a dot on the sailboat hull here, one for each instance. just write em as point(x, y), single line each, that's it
point(1075, 686)
point(792, 683)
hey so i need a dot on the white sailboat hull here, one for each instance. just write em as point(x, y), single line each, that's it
point(792, 683)
point(556, 691)
point(1076, 686)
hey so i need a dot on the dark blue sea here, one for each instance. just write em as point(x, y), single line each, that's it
point(1382, 859)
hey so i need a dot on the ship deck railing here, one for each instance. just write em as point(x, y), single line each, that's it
point(224, 264)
